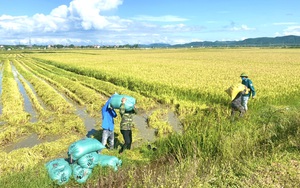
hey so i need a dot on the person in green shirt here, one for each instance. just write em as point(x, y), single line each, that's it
point(126, 125)
point(248, 83)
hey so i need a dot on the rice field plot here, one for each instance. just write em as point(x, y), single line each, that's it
point(67, 87)
point(23, 116)
point(187, 76)
point(189, 80)
point(186, 79)
point(63, 104)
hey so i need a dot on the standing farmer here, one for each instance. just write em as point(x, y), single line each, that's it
point(126, 125)
point(248, 83)
point(108, 115)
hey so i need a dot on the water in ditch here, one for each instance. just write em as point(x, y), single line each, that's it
point(27, 103)
point(32, 139)
point(29, 142)
point(147, 134)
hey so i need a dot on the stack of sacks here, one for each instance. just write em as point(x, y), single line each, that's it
point(81, 151)
point(84, 152)
point(83, 157)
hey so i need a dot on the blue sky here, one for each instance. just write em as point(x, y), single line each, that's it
point(117, 22)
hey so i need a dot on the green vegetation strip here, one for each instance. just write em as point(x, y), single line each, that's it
point(12, 100)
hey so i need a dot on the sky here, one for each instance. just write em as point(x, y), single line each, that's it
point(119, 22)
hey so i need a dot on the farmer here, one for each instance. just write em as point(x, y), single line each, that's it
point(126, 125)
point(236, 104)
point(108, 115)
point(245, 97)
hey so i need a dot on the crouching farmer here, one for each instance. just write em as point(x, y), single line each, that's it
point(236, 104)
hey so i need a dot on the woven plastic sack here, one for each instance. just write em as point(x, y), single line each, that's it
point(84, 146)
point(89, 160)
point(233, 90)
point(115, 102)
point(110, 161)
point(59, 170)
point(81, 174)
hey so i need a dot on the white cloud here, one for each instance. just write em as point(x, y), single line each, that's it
point(166, 18)
point(292, 30)
point(80, 15)
point(48, 23)
point(88, 13)
point(84, 22)
point(60, 12)
point(18, 24)
point(175, 27)
point(241, 28)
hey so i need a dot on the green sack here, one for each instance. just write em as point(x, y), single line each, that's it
point(89, 160)
point(59, 170)
point(115, 102)
point(81, 174)
point(110, 161)
point(84, 146)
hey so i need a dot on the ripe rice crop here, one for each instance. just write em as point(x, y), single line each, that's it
point(191, 82)
point(191, 71)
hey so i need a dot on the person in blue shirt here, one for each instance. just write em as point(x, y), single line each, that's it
point(245, 97)
point(108, 115)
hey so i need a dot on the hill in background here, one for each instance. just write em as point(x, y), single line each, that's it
point(285, 41)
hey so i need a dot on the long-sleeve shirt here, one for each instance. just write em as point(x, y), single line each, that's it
point(126, 118)
point(108, 115)
point(248, 83)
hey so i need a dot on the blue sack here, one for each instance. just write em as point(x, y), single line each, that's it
point(89, 160)
point(84, 146)
point(59, 170)
point(81, 174)
point(115, 102)
point(110, 161)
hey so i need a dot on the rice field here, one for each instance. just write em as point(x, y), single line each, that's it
point(208, 71)
point(67, 88)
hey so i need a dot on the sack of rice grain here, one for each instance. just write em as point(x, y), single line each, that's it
point(84, 146)
point(110, 161)
point(233, 90)
point(115, 102)
point(59, 170)
point(81, 174)
point(89, 160)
